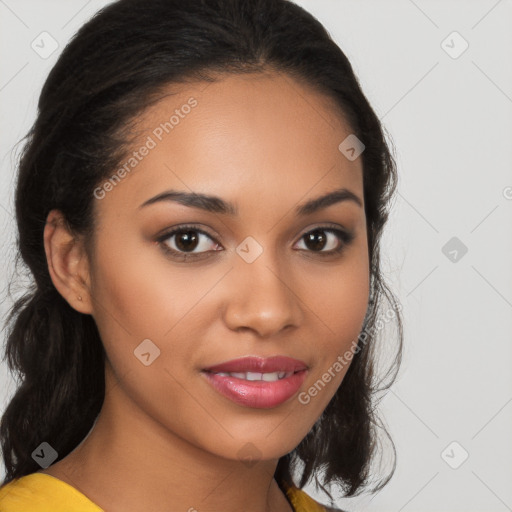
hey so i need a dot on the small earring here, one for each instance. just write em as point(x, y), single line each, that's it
point(79, 297)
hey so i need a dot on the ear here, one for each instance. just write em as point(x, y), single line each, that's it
point(68, 262)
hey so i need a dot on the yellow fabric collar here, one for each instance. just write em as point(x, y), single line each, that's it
point(44, 493)
point(301, 502)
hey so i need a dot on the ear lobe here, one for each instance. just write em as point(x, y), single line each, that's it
point(67, 262)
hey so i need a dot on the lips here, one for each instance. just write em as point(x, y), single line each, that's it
point(257, 382)
point(259, 365)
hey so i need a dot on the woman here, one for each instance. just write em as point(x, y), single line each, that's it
point(200, 202)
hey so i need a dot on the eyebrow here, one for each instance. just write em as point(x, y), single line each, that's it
point(215, 204)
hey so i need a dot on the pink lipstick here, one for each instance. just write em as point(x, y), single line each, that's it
point(257, 382)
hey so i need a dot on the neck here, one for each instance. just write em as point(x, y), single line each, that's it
point(139, 465)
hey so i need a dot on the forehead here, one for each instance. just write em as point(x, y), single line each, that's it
point(261, 133)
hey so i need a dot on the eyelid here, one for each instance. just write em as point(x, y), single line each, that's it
point(327, 226)
point(167, 232)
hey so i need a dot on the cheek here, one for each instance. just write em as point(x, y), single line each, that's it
point(127, 305)
point(339, 299)
point(136, 299)
point(141, 296)
point(349, 305)
point(137, 291)
point(339, 302)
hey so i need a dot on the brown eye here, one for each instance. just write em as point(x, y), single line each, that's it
point(315, 240)
point(186, 240)
point(326, 241)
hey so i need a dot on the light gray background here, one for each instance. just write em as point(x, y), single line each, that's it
point(450, 119)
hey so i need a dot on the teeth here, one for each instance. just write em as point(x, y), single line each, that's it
point(251, 376)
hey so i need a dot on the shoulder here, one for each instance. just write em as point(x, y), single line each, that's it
point(39, 492)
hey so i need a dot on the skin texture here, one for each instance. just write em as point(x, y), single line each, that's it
point(165, 439)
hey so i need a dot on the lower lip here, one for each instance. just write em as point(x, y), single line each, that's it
point(258, 394)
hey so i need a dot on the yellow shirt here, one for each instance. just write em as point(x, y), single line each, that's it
point(39, 492)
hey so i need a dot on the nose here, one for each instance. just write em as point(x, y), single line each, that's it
point(261, 299)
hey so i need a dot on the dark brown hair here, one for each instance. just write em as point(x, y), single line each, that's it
point(117, 65)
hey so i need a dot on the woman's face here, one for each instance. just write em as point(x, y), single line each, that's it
point(248, 276)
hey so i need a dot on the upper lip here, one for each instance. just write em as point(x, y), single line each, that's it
point(259, 364)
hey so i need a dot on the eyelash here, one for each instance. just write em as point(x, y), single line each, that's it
point(345, 237)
